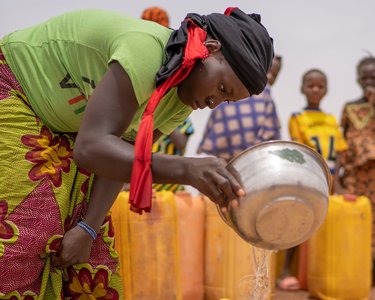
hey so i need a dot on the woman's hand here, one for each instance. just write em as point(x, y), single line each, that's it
point(75, 248)
point(210, 176)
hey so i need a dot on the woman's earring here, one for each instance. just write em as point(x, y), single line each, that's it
point(206, 53)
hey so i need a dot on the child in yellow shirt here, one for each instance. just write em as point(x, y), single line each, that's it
point(318, 130)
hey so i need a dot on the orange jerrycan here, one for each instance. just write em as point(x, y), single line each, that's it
point(148, 248)
point(339, 260)
point(191, 240)
point(230, 262)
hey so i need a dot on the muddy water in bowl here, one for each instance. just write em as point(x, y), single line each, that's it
point(287, 186)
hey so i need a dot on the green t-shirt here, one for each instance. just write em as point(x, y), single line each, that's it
point(60, 62)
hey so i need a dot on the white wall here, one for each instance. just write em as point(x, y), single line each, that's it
point(326, 34)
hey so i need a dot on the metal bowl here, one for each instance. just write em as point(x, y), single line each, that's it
point(287, 186)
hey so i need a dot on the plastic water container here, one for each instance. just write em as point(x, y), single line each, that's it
point(191, 212)
point(229, 261)
point(339, 259)
point(148, 247)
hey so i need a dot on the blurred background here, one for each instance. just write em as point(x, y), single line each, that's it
point(331, 35)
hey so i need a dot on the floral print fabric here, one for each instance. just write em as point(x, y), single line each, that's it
point(358, 122)
point(42, 195)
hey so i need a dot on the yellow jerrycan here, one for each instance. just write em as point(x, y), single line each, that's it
point(191, 240)
point(148, 248)
point(339, 254)
point(229, 262)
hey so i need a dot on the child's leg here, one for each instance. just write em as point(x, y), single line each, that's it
point(286, 281)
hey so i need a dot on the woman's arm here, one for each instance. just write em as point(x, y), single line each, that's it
point(108, 114)
point(100, 149)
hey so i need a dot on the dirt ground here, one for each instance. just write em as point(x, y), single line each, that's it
point(302, 295)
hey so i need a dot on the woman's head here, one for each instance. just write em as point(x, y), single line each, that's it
point(211, 81)
point(240, 55)
point(314, 87)
point(366, 73)
point(246, 46)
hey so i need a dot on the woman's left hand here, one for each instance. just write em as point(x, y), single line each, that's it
point(75, 248)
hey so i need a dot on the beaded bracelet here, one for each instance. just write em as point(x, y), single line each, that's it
point(88, 229)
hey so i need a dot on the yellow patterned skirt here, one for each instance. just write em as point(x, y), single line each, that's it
point(42, 195)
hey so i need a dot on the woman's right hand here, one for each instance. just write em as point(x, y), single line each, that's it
point(210, 176)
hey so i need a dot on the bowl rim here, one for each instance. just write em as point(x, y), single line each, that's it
point(309, 149)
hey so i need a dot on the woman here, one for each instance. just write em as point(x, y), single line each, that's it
point(94, 73)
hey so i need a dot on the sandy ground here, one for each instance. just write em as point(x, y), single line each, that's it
point(302, 295)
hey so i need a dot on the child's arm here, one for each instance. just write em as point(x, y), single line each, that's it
point(337, 187)
point(340, 146)
point(270, 128)
point(181, 135)
point(295, 130)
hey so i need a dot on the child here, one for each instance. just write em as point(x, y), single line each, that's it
point(358, 122)
point(156, 14)
point(318, 130)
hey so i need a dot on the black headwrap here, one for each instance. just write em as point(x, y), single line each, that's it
point(245, 42)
